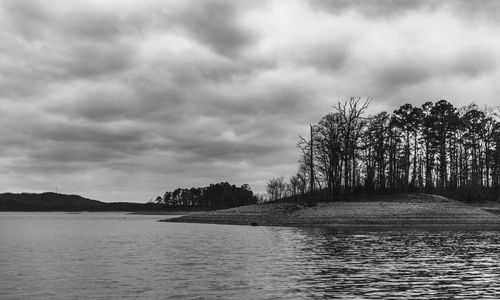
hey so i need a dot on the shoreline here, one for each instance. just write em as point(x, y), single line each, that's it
point(394, 211)
point(165, 213)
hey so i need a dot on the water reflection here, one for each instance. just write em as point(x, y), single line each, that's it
point(399, 264)
point(61, 256)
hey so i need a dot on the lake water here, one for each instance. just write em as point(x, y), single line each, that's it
point(115, 255)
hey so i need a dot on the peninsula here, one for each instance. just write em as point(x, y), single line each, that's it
point(396, 210)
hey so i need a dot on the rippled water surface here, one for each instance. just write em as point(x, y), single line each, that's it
point(115, 255)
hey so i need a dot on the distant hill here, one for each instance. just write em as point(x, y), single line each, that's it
point(62, 202)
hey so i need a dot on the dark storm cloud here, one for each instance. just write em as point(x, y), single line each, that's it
point(35, 20)
point(120, 100)
point(475, 62)
point(328, 59)
point(380, 8)
point(89, 60)
point(215, 23)
point(96, 133)
point(229, 151)
point(402, 74)
point(47, 46)
point(416, 70)
point(47, 139)
point(28, 19)
point(278, 101)
point(482, 11)
point(396, 8)
point(105, 101)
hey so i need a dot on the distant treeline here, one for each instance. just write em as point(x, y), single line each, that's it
point(435, 148)
point(62, 202)
point(214, 196)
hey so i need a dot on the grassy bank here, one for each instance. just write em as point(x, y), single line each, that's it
point(379, 210)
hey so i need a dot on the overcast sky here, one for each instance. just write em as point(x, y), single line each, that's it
point(123, 100)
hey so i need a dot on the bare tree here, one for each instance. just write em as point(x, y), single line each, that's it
point(435, 147)
point(307, 148)
point(350, 112)
point(276, 188)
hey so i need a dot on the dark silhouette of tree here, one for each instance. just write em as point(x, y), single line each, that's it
point(351, 125)
point(298, 185)
point(214, 196)
point(377, 134)
point(496, 157)
point(307, 148)
point(329, 150)
point(434, 148)
point(276, 188)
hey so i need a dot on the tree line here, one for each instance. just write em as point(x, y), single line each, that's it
point(61, 202)
point(435, 147)
point(215, 196)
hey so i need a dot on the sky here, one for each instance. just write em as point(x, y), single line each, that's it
point(123, 100)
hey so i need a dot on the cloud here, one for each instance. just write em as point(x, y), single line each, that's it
point(484, 10)
point(121, 100)
point(215, 24)
point(475, 62)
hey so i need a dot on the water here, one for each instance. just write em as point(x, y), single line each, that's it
point(115, 255)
